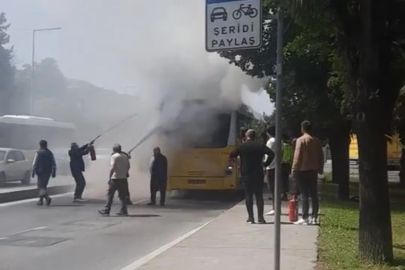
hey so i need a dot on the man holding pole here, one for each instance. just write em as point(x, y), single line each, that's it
point(77, 168)
point(118, 181)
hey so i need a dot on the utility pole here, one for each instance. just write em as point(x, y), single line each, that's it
point(278, 142)
point(33, 65)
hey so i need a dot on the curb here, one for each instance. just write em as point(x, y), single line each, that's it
point(32, 193)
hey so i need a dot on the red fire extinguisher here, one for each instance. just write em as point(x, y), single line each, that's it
point(92, 152)
point(293, 209)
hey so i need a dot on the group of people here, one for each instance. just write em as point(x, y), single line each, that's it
point(44, 167)
point(302, 159)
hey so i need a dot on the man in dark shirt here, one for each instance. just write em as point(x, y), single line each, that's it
point(77, 168)
point(44, 167)
point(158, 176)
point(251, 155)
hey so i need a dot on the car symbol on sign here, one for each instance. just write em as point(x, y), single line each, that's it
point(219, 13)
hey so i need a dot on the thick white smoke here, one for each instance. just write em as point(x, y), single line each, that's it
point(157, 47)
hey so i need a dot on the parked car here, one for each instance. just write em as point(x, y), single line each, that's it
point(14, 166)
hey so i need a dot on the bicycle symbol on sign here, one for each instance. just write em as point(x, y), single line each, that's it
point(245, 10)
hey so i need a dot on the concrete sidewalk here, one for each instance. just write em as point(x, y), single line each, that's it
point(230, 243)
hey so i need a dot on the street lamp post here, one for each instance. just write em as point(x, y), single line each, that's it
point(33, 64)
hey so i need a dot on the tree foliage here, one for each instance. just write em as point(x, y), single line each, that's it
point(91, 108)
point(312, 88)
point(344, 66)
point(368, 39)
point(6, 67)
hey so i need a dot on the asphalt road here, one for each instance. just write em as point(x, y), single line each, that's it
point(68, 236)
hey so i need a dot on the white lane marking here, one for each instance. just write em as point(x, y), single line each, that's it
point(140, 201)
point(29, 230)
point(140, 262)
point(30, 242)
point(32, 200)
point(25, 231)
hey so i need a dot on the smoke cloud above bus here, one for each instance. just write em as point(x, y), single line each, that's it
point(153, 49)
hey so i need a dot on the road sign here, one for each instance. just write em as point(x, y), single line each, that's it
point(233, 25)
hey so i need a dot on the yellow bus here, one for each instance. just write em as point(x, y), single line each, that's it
point(394, 151)
point(203, 165)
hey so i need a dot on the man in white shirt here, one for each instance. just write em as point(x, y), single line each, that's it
point(118, 181)
point(271, 169)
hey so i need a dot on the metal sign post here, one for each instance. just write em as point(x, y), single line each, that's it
point(278, 150)
point(233, 25)
point(238, 25)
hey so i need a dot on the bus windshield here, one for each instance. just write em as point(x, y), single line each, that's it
point(218, 136)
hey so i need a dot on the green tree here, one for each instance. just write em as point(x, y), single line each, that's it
point(6, 67)
point(49, 80)
point(50, 85)
point(21, 94)
point(369, 37)
point(307, 69)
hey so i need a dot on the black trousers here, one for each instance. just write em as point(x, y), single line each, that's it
point(253, 185)
point(80, 183)
point(308, 185)
point(122, 186)
point(285, 175)
point(42, 184)
point(155, 186)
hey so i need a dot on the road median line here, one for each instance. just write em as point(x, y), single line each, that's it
point(20, 195)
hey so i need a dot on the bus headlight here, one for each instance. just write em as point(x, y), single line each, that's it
point(229, 170)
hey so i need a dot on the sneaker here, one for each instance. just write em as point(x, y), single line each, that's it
point(122, 214)
point(104, 212)
point(301, 222)
point(162, 204)
point(313, 221)
point(40, 202)
point(251, 221)
point(261, 220)
point(77, 200)
point(270, 213)
point(151, 203)
point(48, 201)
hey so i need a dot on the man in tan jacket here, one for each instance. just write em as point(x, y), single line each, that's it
point(308, 162)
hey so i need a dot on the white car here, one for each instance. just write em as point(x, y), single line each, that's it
point(14, 166)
